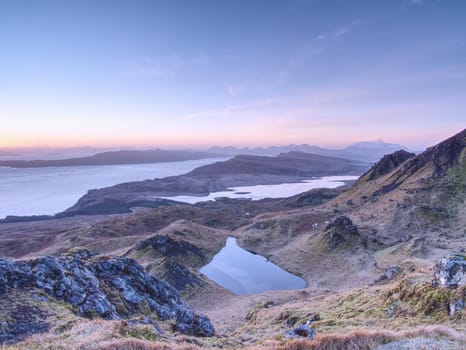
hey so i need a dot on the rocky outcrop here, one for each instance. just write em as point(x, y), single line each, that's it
point(165, 246)
point(432, 163)
point(169, 259)
point(177, 275)
point(389, 274)
point(102, 286)
point(176, 253)
point(387, 164)
point(451, 273)
point(443, 156)
point(341, 231)
point(302, 331)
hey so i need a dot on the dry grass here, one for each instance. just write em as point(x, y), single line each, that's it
point(83, 335)
point(138, 344)
point(117, 344)
point(369, 339)
point(108, 335)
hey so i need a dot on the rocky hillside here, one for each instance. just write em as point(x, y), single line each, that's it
point(387, 164)
point(366, 252)
point(422, 195)
point(404, 208)
point(91, 286)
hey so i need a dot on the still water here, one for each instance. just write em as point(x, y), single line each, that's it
point(270, 191)
point(37, 191)
point(245, 273)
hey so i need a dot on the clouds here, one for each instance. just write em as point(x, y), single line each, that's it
point(234, 91)
point(291, 71)
point(339, 115)
point(164, 65)
point(339, 31)
point(342, 31)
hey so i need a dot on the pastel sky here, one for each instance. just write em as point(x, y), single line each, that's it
point(192, 73)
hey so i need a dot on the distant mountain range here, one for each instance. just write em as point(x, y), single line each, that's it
point(6, 153)
point(113, 158)
point(49, 153)
point(363, 250)
point(369, 151)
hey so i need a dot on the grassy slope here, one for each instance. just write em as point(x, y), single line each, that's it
point(420, 221)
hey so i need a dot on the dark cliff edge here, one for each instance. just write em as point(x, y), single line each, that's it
point(435, 162)
point(387, 164)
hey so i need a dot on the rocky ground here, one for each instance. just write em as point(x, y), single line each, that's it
point(367, 253)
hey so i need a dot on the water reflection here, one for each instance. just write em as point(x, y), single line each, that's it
point(270, 191)
point(245, 273)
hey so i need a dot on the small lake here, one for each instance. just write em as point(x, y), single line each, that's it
point(270, 191)
point(245, 273)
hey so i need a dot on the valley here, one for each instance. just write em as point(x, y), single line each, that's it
point(365, 251)
point(232, 175)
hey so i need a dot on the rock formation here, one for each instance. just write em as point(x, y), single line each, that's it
point(340, 231)
point(451, 273)
point(101, 286)
point(302, 331)
point(388, 163)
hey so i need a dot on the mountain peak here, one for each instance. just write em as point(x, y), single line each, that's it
point(404, 168)
point(378, 144)
point(388, 163)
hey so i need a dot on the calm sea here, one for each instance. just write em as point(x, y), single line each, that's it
point(38, 191)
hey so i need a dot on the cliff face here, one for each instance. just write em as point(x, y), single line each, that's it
point(405, 196)
point(435, 162)
point(387, 164)
point(106, 287)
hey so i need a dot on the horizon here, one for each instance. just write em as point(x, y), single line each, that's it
point(193, 148)
point(176, 74)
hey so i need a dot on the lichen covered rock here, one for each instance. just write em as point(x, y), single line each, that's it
point(302, 331)
point(103, 286)
point(451, 273)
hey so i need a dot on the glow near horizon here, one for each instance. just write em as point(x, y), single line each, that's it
point(204, 73)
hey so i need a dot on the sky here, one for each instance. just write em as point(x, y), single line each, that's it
point(198, 73)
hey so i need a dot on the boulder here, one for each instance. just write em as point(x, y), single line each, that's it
point(451, 273)
point(340, 231)
point(302, 331)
